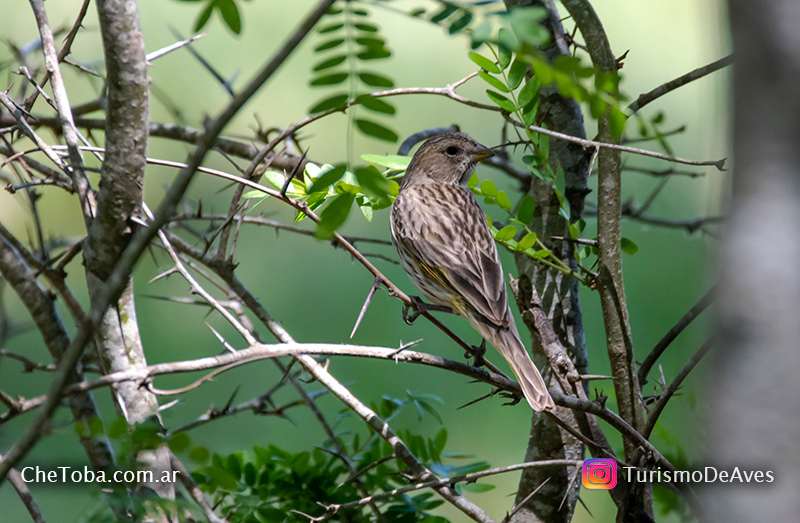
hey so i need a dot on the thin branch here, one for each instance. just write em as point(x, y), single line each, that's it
point(15, 478)
point(118, 279)
point(655, 412)
point(673, 333)
point(691, 76)
point(194, 490)
point(155, 55)
point(465, 478)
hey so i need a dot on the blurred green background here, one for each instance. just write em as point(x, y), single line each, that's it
point(316, 291)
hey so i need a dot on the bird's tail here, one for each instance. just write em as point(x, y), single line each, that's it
point(509, 344)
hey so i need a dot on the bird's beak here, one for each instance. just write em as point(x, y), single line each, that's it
point(480, 153)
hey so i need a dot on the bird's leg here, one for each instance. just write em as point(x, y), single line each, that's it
point(478, 353)
point(418, 307)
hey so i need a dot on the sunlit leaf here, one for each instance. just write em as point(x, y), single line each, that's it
point(373, 182)
point(334, 215)
point(506, 233)
point(501, 101)
point(628, 246)
point(484, 63)
point(528, 241)
point(392, 161)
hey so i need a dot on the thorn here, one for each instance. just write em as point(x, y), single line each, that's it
point(221, 339)
point(375, 286)
point(293, 174)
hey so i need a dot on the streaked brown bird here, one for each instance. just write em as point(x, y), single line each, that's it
point(444, 243)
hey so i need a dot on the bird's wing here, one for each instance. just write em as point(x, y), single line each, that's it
point(448, 231)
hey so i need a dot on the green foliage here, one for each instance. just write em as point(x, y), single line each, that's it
point(350, 41)
point(269, 484)
point(334, 189)
point(226, 9)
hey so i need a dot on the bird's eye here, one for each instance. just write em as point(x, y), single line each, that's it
point(451, 151)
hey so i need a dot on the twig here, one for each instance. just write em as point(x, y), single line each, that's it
point(371, 293)
point(691, 76)
point(141, 239)
point(15, 478)
point(155, 55)
point(655, 412)
point(673, 333)
point(465, 478)
point(194, 490)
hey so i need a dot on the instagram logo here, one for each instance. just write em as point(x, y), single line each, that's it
point(600, 473)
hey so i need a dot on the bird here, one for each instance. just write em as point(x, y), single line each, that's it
point(443, 241)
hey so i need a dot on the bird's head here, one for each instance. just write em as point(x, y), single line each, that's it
point(448, 158)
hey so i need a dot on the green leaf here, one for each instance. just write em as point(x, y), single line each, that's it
point(617, 121)
point(462, 22)
point(332, 102)
point(484, 63)
point(370, 41)
point(366, 209)
point(472, 182)
point(199, 454)
point(526, 208)
point(503, 57)
point(254, 194)
point(330, 79)
point(607, 81)
point(544, 253)
point(478, 487)
point(367, 28)
point(597, 106)
point(203, 18)
point(528, 92)
point(444, 13)
point(394, 162)
point(179, 442)
point(516, 74)
point(488, 188)
point(506, 233)
point(376, 130)
point(494, 82)
point(334, 215)
point(330, 28)
point(376, 104)
point(230, 14)
point(528, 241)
point(507, 40)
point(373, 182)
point(502, 101)
point(96, 426)
point(481, 33)
point(330, 62)
point(326, 179)
point(330, 44)
point(440, 440)
point(118, 428)
point(628, 246)
point(503, 201)
point(542, 71)
point(375, 80)
point(526, 26)
point(374, 53)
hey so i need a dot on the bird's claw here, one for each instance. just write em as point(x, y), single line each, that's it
point(416, 306)
point(513, 398)
point(477, 353)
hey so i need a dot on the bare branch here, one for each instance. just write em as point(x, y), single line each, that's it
point(709, 298)
point(691, 76)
